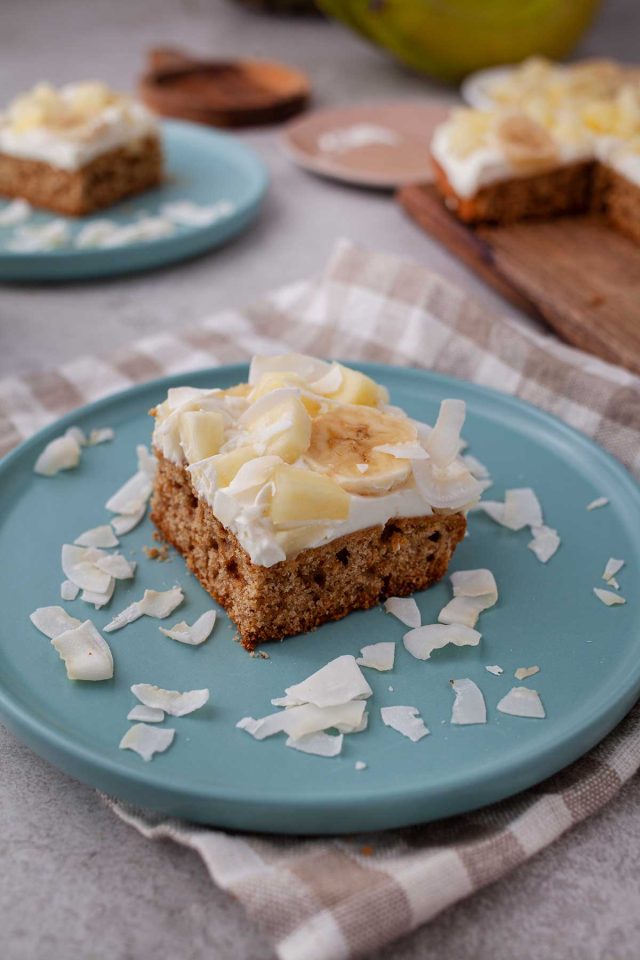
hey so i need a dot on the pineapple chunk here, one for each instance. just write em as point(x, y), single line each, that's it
point(90, 98)
point(227, 464)
point(357, 388)
point(201, 434)
point(302, 495)
point(239, 390)
point(275, 380)
point(285, 429)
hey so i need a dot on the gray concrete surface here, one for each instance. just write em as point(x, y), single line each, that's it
point(75, 883)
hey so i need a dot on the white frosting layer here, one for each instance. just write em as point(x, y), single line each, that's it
point(117, 125)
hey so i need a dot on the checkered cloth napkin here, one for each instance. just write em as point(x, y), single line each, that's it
point(324, 899)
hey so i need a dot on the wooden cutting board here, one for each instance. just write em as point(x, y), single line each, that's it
point(575, 273)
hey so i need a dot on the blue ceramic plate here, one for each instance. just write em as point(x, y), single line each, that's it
point(202, 166)
point(589, 655)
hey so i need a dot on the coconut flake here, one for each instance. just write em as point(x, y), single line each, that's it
point(52, 621)
point(378, 656)
point(171, 701)
point(545, 542)
point(609, 598)
point(338, 682)
point(495, 670)
point(85, 652)
point(613, 566)
point(308, 368)
point(597, 503)
point(305, 718)
point(68, 590)
point(125, 522)
point(330, 382)
point(522, 673)
point(79, 566)
point(474, 583)
point(613, 583)
point(493, 509)
point(132, 495)
point(100, 435)
point(154, 603)
point(362, 467)
point(99, 598)
point(15, 212)
point(360, 765)
point(193, 634)
point(146, 714)
point(422, 641)
point(450, 487)
point(147, 740)
point(443, 442)
point(116, 566)
point(320, 744)
point(102, 536)
point(469, 705)
point(77, 434)
point(522, 702)
point(522, 509)
point(403, 451)
point(405, 609)
point(406, 720)
point(465, 610)
point(474, 466)
point(63, 453)
point(184, 213)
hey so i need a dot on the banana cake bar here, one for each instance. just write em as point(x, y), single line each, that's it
point(77, 149)
point(548, 140)
point(302, 495)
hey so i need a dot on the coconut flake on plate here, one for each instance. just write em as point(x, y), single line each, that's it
point(154, 603)
point(522, 702)
point(545, 542)
point(406, 720)
point(131, 496)
point(102, 536)
point(125, 522)
point(193, 634)
point(403, 451)
point(338, 682)
point(493, 509)
point(613, 566)
point(79, 566)
point(320, 744)
point(474, 583)
point(469, 706)
point(495, 670)
point(378, 656)
point(360, 765)
point(305, 718)
point(185, 213)
point(117, 566)
point(597, 503)
point(171, 701)
point(474, 466)
point(100, 435)
point(465, 610)
point(422, 641)
point(523, 673)
point(609, 598)
point(405, 609)
point(146, 714)
point(63, 453)
point(85, 652)
point(521, 509)
point(68, 590)
point(33, 238)
point(330, 382)
point(15, 212)
point(99, 598)
point(146, 740)
point(77, 434)
point(52, 621)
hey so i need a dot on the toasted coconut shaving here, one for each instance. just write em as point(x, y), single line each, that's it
point(443, 442)
point(63, 453)
point(469, 705)
point(609, 598)
point(320, 744)
point(378, 656)
point(406, 720)
point(193, 634)
point(597, 503)
point(522, 702)
point(464, 610)
point(79, 566)
point(131, 495)
point(339, 681)
point(405, 609)
point(545, 542)
point(474, 583)
point(495, 670)
point(171, 701)
point(154, 603)
point(422, 641)
point(52, 621)
point(146, 714)
point(613, 566)
point(147, 741)
point(97, 537)
point(68, 590)
point(447, 488)
point(85, 652)
point(116, 566)
point(522, 673)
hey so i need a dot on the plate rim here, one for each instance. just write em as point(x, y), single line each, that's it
point(604, 716)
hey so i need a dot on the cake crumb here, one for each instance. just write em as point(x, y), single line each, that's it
point(260, 654)
point(366, 851)
point(157, 553)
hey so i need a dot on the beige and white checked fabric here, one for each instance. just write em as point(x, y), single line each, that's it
point(328, 899)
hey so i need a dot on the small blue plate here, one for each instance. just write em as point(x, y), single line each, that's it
point(202, 166)
point(588, 654)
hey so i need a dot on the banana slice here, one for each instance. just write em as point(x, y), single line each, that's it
point(345, 438)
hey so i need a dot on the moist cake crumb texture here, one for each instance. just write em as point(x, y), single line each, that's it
point(260, 488)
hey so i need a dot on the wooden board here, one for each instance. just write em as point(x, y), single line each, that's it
point(576, 273)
